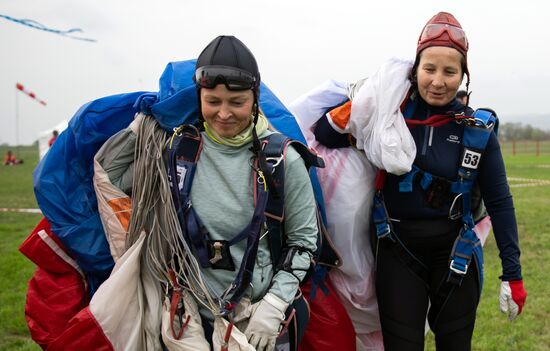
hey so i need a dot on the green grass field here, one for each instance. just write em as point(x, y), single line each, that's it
point(531, 331)
point(15, 269)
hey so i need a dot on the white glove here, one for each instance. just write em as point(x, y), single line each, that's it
point(512, 298)
point(265, 322)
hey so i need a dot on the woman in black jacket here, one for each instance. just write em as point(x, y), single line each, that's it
point(429, 260)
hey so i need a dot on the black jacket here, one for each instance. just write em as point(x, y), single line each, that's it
point(438, 152)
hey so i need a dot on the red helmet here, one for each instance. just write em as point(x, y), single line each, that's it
point(444, 30)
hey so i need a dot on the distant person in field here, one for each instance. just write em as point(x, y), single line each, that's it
point(10, 159)
point(55, 133)
point(462, 96)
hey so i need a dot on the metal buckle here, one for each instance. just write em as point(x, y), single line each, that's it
point(456, 270)
point(276, 159)
point(465, 120)
point(481, 123)
point(385, 233)
point(266, 232)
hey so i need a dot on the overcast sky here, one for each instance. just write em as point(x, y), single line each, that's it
point(298, 44)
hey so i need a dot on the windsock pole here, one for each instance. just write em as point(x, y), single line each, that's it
point(17, 120)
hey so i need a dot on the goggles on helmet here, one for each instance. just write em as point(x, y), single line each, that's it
point(433, 31)
point(233, 78)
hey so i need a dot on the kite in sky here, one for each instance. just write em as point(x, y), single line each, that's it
point(36, 25)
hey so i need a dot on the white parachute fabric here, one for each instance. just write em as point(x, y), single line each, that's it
point(115, 231)
point(237, 340)
point(309, 107)
point(377, 122)
point(127, 305)
point(113, 204)
point(192, 338)
point(347, 182)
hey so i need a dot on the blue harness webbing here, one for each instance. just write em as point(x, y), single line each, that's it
point(477, 131)
point(275, 146)
point(182, 155)
point(326, 256)
point(183, 151)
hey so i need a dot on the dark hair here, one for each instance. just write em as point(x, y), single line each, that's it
point(461, 93)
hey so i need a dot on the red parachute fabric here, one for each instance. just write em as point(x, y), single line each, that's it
point(82, 333)
point(57, 291)
point(329, 327)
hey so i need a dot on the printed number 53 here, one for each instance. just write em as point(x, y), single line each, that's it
point(471, 159)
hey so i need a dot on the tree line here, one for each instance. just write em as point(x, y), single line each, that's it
point(519, 131)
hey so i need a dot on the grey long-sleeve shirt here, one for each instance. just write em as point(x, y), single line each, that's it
point(222, 195)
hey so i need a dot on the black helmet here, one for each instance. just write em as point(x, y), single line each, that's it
point(226, 60)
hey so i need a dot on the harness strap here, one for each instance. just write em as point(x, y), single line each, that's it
point(459, 264)
point(183, 151)
point(197, 234)
point(244, 276)
point(435, 120)
point(275, 146)
point(176, 308)
point(225, 345)
point(274, 149)
point(380, 217)
point(476, 136)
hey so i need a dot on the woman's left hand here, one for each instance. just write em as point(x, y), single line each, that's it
point(512, 298)
point(264, 324)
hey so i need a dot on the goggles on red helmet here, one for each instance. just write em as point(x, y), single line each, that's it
point(433, 31)
point(233, 78)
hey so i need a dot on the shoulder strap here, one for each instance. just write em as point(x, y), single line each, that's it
point(274, 149)
point(275, 146)
point(476, 136)
point(477, 131)
point(181, 157)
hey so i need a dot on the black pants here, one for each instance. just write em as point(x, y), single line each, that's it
point(403, 296)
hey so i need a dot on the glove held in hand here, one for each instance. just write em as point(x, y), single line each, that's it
point(512, 298)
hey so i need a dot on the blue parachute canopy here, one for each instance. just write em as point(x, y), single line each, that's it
point(63, 182)
point(63, 179)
